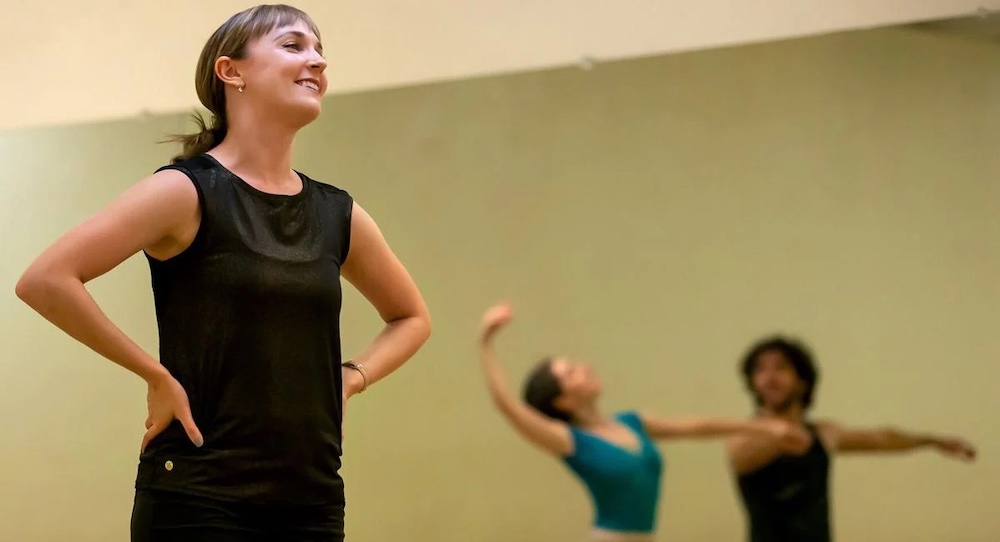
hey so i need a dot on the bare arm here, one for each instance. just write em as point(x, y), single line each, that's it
point(381, 278)
point(788, 437)
point(159, 214)
point(550, 435)
point(692, 427)
point(708, 427)
point(887, 439)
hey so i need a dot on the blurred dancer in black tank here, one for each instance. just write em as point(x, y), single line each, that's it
point(785, 492)
point(246, 402)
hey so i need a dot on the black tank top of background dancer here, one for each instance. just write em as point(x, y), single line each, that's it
point(249, 324)
point(788, 500)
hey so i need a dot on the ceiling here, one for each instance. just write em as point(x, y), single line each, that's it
point(983, 26)
point(77, 61)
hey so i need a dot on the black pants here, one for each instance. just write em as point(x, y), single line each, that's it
point(170, 517)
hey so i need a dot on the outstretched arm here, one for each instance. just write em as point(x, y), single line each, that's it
point(888, 439)
point(790, 436)
point(542, 431)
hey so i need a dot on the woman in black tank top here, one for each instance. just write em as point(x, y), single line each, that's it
point(246, 256)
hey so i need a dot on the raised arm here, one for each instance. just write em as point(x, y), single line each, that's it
point(887, 439)
point(551, 435)
point(159, 214)
point(381, 278)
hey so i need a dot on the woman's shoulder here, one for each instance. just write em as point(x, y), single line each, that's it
point(190, 165)
point(628, 414)
point(325, 188)
point(630, 417)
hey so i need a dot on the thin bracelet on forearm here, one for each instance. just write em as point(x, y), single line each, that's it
point(361, 369)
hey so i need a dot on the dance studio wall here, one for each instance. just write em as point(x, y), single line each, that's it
point(651, 217)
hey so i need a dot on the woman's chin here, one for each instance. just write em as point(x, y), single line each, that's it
point(302, 112)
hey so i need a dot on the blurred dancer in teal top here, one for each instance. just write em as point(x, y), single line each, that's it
point(615, 457)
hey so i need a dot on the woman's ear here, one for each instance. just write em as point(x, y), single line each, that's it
point(228, 72)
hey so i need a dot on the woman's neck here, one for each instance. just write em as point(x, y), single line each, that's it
point(258, 151)
point(589, 416)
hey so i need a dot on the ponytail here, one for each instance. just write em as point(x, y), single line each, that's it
point(204, 140)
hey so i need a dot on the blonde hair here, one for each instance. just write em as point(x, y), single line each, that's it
point(230, 39)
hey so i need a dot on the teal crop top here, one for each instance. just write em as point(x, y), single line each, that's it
point(624, 485)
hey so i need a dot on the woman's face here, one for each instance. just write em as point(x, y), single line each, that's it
point(579, 384)
point(284, 72)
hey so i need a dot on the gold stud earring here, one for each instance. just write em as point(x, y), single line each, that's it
point(240, 89)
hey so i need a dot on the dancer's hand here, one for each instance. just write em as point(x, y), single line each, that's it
point(793, 437)
point(495, 318)
point(956, 448)
point(167, 401)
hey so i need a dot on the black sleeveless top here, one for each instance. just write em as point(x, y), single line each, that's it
point(249, 324)
point(787, 500)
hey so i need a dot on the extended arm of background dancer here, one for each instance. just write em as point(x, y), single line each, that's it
point(888, 439)
point(548, 434)
point(790, 436)
point(381, 278)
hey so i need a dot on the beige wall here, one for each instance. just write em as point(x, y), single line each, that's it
point(106, 59)
point(650, 216)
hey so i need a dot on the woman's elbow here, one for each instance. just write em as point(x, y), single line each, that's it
point(424, 327)
point(35, 288)
point(30, 288)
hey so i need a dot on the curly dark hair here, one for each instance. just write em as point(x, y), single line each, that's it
point(797, 354)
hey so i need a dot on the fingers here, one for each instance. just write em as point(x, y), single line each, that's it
point(152, 431)
point(800, 444)
point(498, 314)
point(797, 441)
point(193, 433)
point(960, 451)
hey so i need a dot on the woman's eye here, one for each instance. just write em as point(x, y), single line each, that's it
point(292, 44)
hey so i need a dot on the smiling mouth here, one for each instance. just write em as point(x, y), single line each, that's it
point(309, 85)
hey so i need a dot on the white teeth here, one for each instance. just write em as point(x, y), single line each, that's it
point(309, 84)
